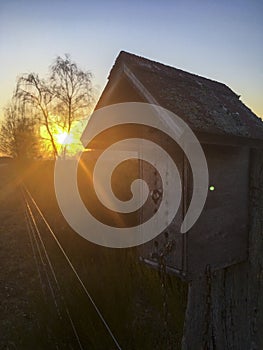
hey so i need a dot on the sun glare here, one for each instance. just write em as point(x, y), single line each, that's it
point(63, 138)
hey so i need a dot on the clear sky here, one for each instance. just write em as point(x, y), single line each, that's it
point(222, 40)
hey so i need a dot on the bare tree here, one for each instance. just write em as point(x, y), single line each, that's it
point(65, 97)
point(36, 92)
point(18, 137)
point(72, 90)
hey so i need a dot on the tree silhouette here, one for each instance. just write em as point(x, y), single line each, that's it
point(18, 136)
point(65, 97)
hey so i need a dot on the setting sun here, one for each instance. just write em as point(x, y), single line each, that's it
point(63, 138)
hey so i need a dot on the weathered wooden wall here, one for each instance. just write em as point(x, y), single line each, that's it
point(225, 308)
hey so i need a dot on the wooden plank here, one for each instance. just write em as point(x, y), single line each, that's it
point(219, 237)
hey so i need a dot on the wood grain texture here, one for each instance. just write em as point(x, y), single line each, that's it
point(232, 303)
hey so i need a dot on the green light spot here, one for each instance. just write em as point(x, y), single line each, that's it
point(212, 188)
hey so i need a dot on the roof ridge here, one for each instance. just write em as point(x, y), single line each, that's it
point(125, 54)
point(206, 104)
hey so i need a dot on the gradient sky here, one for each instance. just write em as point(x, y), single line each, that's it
point(221, 40)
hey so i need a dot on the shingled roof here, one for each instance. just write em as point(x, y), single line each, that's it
point(206, 105)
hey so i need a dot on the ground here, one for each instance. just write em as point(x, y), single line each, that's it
point(128, 293)
point(20, 292)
